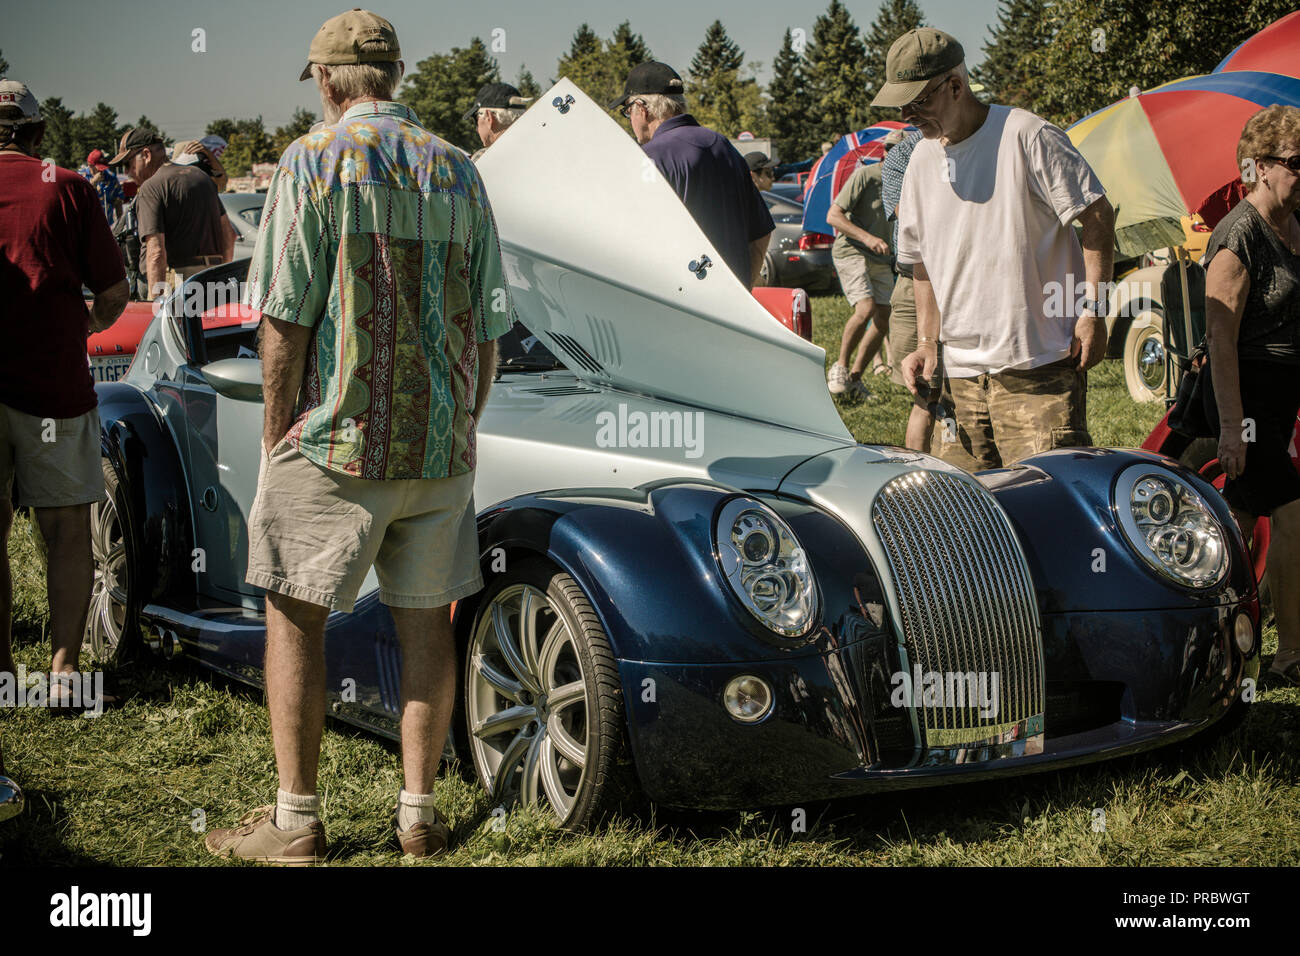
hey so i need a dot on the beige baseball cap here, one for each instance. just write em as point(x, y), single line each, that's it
point(914, 59)
point(340, 38)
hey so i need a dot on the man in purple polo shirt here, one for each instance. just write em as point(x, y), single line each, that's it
point(701, 165)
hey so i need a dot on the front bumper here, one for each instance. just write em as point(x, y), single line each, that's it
point(1117, 684)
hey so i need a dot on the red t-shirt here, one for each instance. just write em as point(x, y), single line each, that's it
point(53, 240)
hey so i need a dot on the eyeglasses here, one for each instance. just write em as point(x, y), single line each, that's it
point(627, 108)
point(918, 103)
point(1291, 162)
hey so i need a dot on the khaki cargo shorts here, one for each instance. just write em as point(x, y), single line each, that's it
point(314, 534)
point(1001, 419)
point(862, 278)
point(902, 328)
point(55, 461)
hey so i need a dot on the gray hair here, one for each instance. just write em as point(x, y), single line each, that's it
point(504, 117)
point(661, 106)
point(354, 80)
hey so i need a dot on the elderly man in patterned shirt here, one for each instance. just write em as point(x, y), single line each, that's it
point(378, 276)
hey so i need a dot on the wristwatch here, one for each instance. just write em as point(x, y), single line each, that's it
point(1093, 306)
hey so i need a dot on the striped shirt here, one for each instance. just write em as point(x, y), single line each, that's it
point(379, 235)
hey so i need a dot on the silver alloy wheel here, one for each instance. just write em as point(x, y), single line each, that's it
point(106, 622)
point(526, 699)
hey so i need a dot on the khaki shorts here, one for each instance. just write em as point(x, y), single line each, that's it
point(54, 460)
point(1004, 418)
point(313, 534)
point(863, 278)
point(902, 327)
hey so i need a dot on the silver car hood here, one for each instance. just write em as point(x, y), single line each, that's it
point(597, 247)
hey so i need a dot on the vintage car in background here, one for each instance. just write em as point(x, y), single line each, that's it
point(790, 259)
point(697, 582)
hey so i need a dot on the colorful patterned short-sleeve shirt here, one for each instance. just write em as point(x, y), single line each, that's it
point(379, 235)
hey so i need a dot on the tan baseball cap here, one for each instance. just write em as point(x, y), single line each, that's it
point(914, 59)
point(340, 38)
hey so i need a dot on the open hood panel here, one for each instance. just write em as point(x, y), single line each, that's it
point(597, 249)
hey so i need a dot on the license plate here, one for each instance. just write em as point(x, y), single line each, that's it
point(109, 368)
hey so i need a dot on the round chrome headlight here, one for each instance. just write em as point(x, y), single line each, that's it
point(762, 561)
point(1171, 526)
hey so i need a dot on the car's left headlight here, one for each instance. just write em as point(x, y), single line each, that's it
point(763, 562)
point(1171, 526)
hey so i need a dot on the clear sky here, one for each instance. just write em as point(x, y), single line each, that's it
point(137, 56)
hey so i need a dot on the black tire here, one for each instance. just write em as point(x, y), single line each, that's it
point(768, 274)
point(600, 784)
point(113, 621)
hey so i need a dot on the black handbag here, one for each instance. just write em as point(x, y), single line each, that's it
point(1195, 412)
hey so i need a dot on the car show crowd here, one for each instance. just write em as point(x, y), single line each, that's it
point(945, 251)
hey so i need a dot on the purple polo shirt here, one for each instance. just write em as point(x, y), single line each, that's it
point(715, 186)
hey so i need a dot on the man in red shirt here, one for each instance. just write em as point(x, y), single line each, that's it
point(54, 240)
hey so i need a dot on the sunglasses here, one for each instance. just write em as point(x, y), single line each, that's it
point(627, 108)
point(918, 103)
point(1291, 162)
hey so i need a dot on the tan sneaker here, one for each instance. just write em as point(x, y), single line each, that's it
point(425, 839)
point(257, 838)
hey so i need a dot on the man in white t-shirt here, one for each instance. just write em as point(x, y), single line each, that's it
point(1000, 277)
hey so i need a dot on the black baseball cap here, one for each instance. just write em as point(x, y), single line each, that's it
point(650, 78)
point(758, 160)
point(499, 96)
point(134, 139)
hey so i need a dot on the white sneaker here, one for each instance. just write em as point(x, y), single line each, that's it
point(837, 379)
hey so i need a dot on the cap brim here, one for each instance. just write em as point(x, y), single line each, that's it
point(469, 114)
point(899, 94)
point(619, 102)
point(121, 157)
point(306, 73)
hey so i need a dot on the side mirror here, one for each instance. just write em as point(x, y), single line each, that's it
point(236, 378)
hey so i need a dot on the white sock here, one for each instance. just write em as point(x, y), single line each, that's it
point(295, 810)
point(413, 808)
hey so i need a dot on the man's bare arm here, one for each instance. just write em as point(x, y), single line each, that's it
point(487, 371)
point(923, 362)
point(757, 252)
point(109, 305)
point(284, 361)
point(155, 264)
point(837, 218)
point(1098, 241)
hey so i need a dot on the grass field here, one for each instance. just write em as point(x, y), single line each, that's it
point(137, 785)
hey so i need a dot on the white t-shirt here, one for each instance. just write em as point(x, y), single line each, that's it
point(990, 218)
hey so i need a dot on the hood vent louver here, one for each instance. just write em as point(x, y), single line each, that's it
point(573, 348)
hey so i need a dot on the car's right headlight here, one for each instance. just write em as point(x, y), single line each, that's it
point(765, 566)
point(1171, 526)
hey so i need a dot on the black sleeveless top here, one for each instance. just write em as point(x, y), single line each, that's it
point(1270, 324)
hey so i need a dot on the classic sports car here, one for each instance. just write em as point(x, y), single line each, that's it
point(695, 578)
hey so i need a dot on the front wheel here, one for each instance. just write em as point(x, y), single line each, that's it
point(543, 703)
point(1145, 368)
point(112, 624)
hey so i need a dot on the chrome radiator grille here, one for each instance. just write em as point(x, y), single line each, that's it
point(967, 607)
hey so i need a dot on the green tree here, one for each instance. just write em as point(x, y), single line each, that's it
point(144, 122)
point(442, 88)
point(59, 133)
point(719, 96)
point(837, 75)
point(525, 84)
point(895, 18)
point(300, 124)
point(787, 106)
point(224, 127)
point(1091, 52)
point(100, 130)
point(1005, 71)
point(249, 143)
point(600, 69)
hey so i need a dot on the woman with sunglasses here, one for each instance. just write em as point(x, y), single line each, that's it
point(1253, 319)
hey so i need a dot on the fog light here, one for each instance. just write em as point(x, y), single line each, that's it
point(1244, 632)
point(748, 698)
